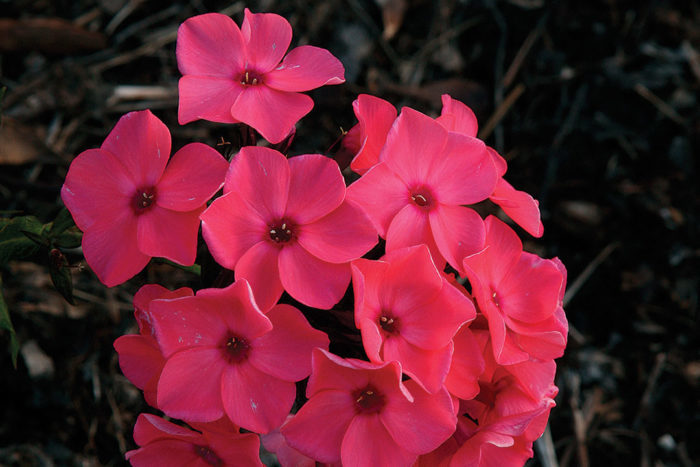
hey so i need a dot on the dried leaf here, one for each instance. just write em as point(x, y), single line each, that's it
point(392, 16)
point(20, 144)
point(48, 35)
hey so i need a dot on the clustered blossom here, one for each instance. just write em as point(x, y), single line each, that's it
point(453, 375)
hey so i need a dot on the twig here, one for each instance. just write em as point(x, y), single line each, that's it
point(501, 111)
point(524, 50)
point(588, 272)
point(648, 391)
point(657, 102)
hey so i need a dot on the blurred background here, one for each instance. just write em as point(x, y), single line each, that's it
point(594, 105)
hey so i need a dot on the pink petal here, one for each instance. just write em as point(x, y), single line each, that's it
point(231, 227)
point(305, 68)
point(141, 142)
point(530, 291)
point(310, 280)
point(463, 173)
point(169, 234)
point(111, 250)
point(462, 118)
point(467, 365)
point(331, 409)
point(375, 118)
point(285, 352)
point(367, 442)
point(413, 143)
point(210, 45)
point(271, 112)
point(255, 400)
point(428, 367)
point(367, 277)
point(381, 194)
point(236, 448)
point(195, 173)
point(372, 339)
point(498, 161)
point(139, 358)
point(519, 206)
point(164, 452)
point(208, 98)
point(149, 428)
point(267, 37)
point(341, 236)
point(411, 226)
point(260, 176)
point(459, 232)
point(503, 249)
point(259, 266)
point(97, 187)
point(190, 385)
point(432, 412)
point(316, 187)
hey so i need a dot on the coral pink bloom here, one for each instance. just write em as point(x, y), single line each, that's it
point(518, 205)
point(132, 207)
point(285, 224)
point(408, 312)
point(162, 443)
point(235, 75)
point(287, 456)
point(375, 117)
point(520, 294)
point(361, 413)
point(414, 195)
point(225, 356)
point(140, 358)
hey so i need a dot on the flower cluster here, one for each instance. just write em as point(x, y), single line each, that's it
point(451, 376)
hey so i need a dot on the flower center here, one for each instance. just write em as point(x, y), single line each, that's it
point(389, 324)
point(236, 349)
point(281, 232)
point(368, 400)
point(144, 199)
point(422, 197)
point(495, 300)
point(250, 78)
point(208, 456)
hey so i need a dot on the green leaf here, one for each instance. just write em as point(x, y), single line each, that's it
point(63, 222)
point(60, 274)
point(6, 324)
point(15, 242)
point(194, 269)
point(71, 238)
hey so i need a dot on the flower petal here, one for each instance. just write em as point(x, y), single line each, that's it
point(467, 365)
point(367, 442)
point(210, 45)
point(259, 266)
point(207, 98)
point(169, 234)
point(459, 232)
point(375, 118)
point(190, 385)
point(428, 367)
point(410, 227)
point(141, 142)
point(343, 235)
point(305, 68)
point(111, 250)
point(97, 187)
point(195, 173)
point(255, 400)
point(462, 119)
point(310, 280)
point(163, 452)
point(271, 112)
point(267, 37)
point(519, 206)
point(316, 187)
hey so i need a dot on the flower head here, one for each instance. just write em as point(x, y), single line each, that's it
point(235, 75)
point(131, 206)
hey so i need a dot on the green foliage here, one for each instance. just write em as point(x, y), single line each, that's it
point(20, 238)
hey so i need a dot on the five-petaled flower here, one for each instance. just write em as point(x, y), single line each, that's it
point(130, 206)
point(235, 75)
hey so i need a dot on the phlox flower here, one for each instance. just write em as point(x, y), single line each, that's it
point(286, 225)
point(286, 455)
point(366, 139)
point(518, 205)
point(140, 358)
point(408, 312)
point(131, 206)
point(415, 193)
point(224, 356)
point(163, 443)
point(235, 75)
point(360, 413)
point(520, 294)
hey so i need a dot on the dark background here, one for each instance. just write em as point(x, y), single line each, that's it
point(593, 104)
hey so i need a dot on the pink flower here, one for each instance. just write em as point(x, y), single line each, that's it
point(140, 358)
point(408, 312)
point(162, 443)
point(520, 294)
point(285, 224)
point(518, 205)
point(375, 117)
point(132, 207)
point(361, 413)
point(224, 356)
point(414, 194)
point(235, 75)
point(287, 456)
